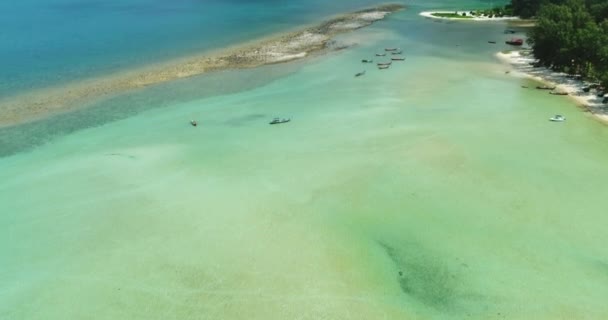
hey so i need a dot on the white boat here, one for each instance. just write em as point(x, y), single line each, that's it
point(557, 118)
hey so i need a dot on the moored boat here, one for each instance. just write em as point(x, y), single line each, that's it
point(279, 120)
point(398, 58)
point(558, 93)
point(545, 88)
point(515, 42)
point(391, 49)
point(367, 61)
point(397, 52)
point(492, 42)
point(383, 67)
point(557, 118)
point(385, 63)
point(380, 54)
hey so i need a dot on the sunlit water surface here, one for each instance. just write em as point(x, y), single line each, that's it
point(434, 189)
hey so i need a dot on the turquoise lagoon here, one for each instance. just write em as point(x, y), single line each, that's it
point(434, 189)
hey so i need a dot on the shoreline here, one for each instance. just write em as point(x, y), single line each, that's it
point(281, 48)
point(588, 100)
point(429, 14)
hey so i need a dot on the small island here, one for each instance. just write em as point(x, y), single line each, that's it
point(494, 14)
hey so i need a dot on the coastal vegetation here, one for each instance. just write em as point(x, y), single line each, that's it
point(569, 35)
point(496, 12)
point(455, 15)
point(526, 8)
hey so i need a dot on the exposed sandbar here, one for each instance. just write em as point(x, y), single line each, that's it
point(281, 48)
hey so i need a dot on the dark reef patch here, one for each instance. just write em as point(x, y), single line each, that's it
point(425, 278)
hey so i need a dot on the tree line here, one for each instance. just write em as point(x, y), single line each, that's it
point(569, 35)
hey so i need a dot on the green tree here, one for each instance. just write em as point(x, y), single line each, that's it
point(566, 37)
point(525, 8)
point(570, 35)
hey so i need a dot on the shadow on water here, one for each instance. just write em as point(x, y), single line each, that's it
point(241, 121)
point(27, 136)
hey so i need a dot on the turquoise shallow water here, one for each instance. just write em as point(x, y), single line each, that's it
point(434, 189)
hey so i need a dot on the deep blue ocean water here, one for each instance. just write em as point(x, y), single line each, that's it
point(51, 42)
point(46, 42)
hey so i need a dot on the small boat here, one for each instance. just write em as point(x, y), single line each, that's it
point(558, 93)
point(383, 67)
point(360, 74)
point(385, 63)
point(380, 54)
point(492, 42)
point(367, 61)
point(515, 42)
point(397, 58)
point(193, 123)
point(545, 88)
point(557, 118)
point(279, 121)
point(391, 49)
point(397, 52)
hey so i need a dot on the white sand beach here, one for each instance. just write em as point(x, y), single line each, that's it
point(523, 67)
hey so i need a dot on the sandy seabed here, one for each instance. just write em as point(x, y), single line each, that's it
point(390, 196)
